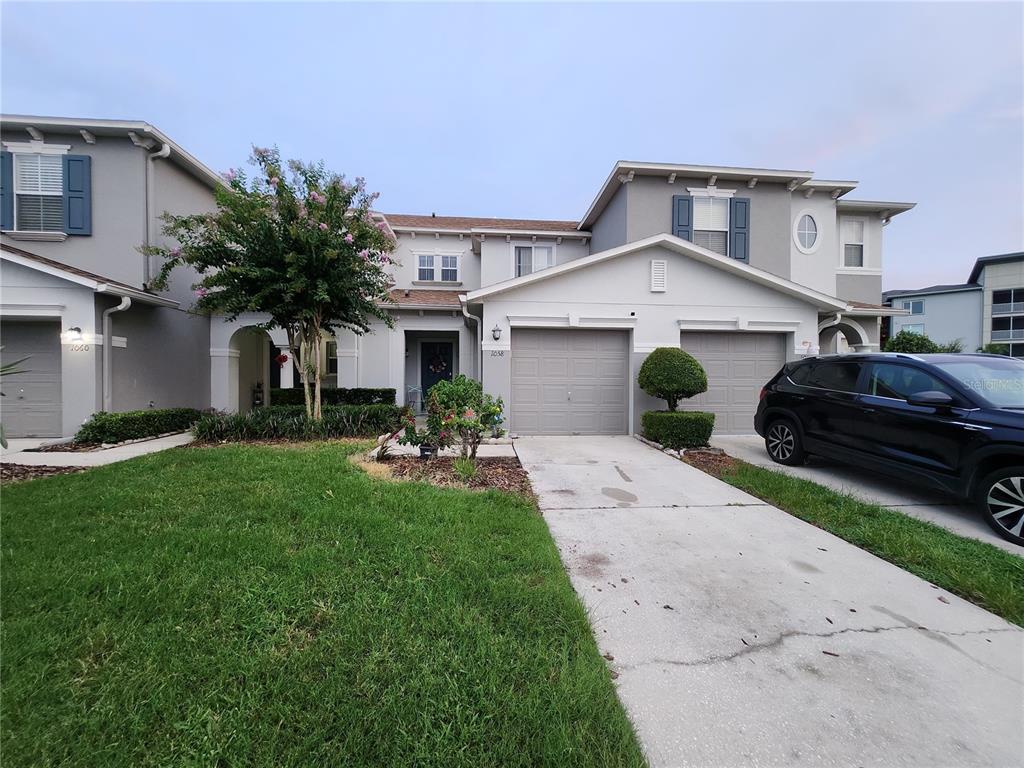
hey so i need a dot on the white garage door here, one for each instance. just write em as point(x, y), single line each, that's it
point(569, 382)
point(738, 365)
point(31, 405)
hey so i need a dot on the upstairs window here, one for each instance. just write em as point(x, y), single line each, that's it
point(433, 267)
point(426, 268)
point(853, 243)
point(711, 223)
point(38, 193)
point(916, 306)
point(533, 258)
point(1008, 302)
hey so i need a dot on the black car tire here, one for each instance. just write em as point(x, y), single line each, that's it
point(783, 443)
point(1000, 497)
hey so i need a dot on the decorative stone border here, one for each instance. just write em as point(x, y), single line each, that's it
point(674, 453)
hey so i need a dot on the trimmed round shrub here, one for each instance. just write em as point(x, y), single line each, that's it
point(670, 374)
point(678, 429)
point(911, 343)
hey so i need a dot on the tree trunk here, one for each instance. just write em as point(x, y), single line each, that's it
point(317, 412)
point(304, 373)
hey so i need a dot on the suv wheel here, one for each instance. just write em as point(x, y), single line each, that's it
point(1001, 499)
point(782, 441)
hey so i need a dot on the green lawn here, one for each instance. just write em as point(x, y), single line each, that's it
point(276, 606)
point(979, 572)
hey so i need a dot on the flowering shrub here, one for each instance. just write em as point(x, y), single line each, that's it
point(460, 407)
point(435, 435)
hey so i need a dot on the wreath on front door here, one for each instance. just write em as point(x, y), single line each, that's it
point(437, 365)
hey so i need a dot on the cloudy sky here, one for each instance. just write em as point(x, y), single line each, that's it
point(521, 109)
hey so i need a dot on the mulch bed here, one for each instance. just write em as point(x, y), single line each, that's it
point(503, 474)
point(714, 463)
point(65, 448)
point(16, 473)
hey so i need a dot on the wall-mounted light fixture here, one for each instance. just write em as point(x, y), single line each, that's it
point(496, 333)
point(74, 334)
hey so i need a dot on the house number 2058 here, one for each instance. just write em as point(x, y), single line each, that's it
point(497, 353)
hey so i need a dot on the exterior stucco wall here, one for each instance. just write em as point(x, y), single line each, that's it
point(166, 362)
point(947, 317)
point(497, 257)
point(816, 269)
point(866, 288)
point(407, 256)
point(118, 209)
point(616, 294)
point(997, 277)
point(649, 212)
point(609, 231)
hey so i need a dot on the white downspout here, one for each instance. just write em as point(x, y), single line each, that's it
point(163, 152)
point(479, 343)
point(108, 352)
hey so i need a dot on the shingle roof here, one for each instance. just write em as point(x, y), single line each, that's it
point(66, 267)
point(931, 289)
point(472, 222)
point(425, 297)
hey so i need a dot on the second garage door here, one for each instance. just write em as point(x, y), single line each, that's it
point(567, 382)
point(738, 365)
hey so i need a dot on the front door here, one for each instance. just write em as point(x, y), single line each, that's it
point(437, 359)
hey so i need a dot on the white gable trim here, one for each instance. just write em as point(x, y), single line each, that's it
point(95, 285)
point(683, 247)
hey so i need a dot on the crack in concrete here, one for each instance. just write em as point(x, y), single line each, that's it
point(758, 647)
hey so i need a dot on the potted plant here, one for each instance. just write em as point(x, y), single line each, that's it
point(430, 439)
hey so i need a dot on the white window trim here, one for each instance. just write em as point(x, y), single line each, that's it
point(796, 232)
point(909, 326)
point(20, 149)
point(911, 302)
point(713, 192)
point(36, 148)
point(513, 244)
point(435, 256)
point(864, 268)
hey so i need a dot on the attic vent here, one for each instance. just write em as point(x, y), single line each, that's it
point(659, 275)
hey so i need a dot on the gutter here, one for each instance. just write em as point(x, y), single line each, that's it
point(108, 352)
point(160, 154)
point(477, 322)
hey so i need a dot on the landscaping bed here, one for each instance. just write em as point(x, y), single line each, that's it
point(501, 474)
point(16, 473)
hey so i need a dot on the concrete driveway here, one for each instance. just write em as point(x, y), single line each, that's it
point(743, 636)
point(944, 510)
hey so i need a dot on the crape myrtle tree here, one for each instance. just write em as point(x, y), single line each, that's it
point(302, 248)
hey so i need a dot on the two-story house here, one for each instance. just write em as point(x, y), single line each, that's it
point(77, 200)
point(987, 309)
point(745, 268)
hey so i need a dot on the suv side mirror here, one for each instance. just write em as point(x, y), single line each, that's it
point(931, 399)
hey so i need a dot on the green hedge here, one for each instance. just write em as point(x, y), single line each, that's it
point(339, 396)
point(678, 429)
point(131, 425)
point(289, 422)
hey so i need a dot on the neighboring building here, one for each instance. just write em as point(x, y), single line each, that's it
point(745, 268)
point(987, 309)
point(79, 197)
point(944, 313)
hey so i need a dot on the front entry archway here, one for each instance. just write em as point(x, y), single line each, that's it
point(856, 336)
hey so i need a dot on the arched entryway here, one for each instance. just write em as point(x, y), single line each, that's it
point(242, 356)
point(834, 332)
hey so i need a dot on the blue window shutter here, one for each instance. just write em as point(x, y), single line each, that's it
point(78, 194)
point(6, 190)
point(682, 216)
point(739, 228)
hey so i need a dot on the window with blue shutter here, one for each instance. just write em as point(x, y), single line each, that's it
point(78, 194)
point(682, 217)
point(739, 228)
point(6, 191)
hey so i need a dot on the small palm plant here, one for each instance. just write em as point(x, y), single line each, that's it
point(9, 369)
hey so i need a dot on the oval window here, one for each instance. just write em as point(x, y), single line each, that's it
point(807, 231)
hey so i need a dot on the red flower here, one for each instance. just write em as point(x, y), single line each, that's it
point(469, 414)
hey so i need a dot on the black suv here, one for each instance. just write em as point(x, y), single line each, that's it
point(954, 422)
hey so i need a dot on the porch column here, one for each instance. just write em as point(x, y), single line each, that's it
point(288, 369)
point(396, 363)
point(348, 358)
point(224, 380)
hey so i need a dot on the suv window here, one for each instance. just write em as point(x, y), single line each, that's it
point(837, 376)
point(902, 381)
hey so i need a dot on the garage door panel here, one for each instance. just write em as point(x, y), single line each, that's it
point(737, 364)
point(32, 406)
point(592, 365)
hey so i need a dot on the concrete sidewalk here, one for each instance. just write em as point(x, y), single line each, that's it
point(743, 636)
point(934, 507)
point(93, 458)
